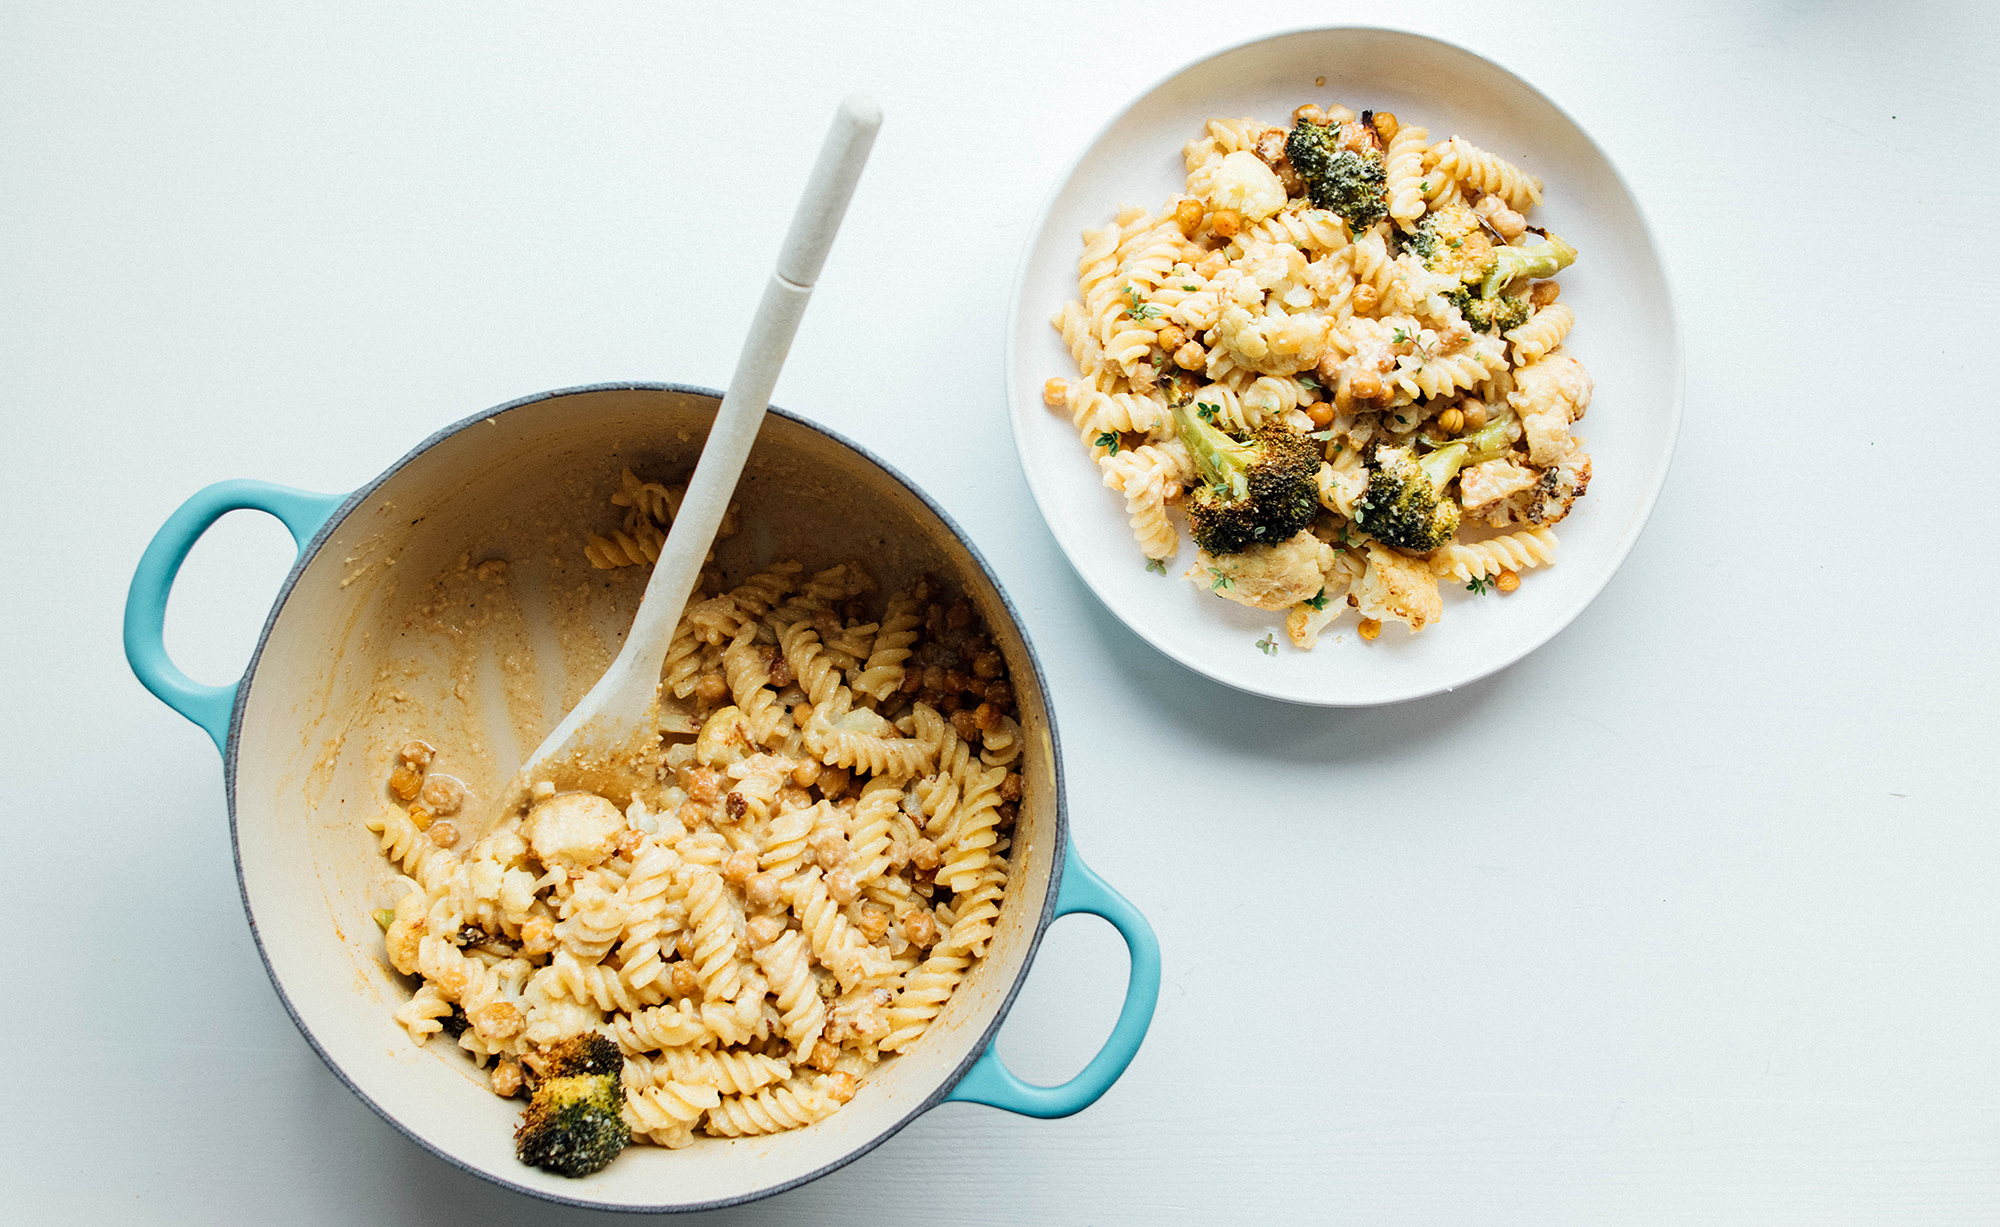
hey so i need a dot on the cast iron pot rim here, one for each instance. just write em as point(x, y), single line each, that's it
point(311, 551)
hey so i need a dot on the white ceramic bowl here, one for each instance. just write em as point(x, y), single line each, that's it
point(339, 677)
point(1627, 336)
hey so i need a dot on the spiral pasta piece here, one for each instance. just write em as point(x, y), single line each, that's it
point(883, 671)
point(666, 1115)
point(721, 619)
point(1119, 412)
point(1544, 331)
point(802, 1012)
point(593, 917)
point(666, 1026)
point(637, 544)
point(835, 943)
point(1404, 175)
point(648, 498)
point(1462, 160)
point(412, 850)
point(923, 996)
point(841, 737)
point(598, 985)
point(731, 1073)
point(716, 918)
point(868, 857)
point(419, 1015)
point(653, 914)
point(1138, 475)
point(1517, 551)
point(771, 1110)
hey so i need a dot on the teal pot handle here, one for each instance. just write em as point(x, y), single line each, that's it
point(991, 1082)
point(146, 603)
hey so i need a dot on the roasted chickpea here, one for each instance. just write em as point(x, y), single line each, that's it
point(920, 927)
point(1188, 214)
point(874, 922)
point(445, 835)
point(404, 783)
point(1226, 223)
point(1370, 628)
point(418, 754)
point(1508, 580)
point(761, 889)
point(1055, 393)
point(499, 1020)
point(763, 930)
point(738, 866)
point(443, 794)
point(507, 1080)
point(829, 848)
point(538, 934)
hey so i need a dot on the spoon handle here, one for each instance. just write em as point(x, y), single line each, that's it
point(736, 422)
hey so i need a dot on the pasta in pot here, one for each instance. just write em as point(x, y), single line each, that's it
point(1349, 279)
point(789, 900)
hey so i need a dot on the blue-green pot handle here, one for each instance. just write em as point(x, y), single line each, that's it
point(991, 1082)
point(146, 603)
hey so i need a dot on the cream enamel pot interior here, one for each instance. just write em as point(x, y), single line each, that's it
point(386, 629)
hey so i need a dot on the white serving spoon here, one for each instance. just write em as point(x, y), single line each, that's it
point(619, 708)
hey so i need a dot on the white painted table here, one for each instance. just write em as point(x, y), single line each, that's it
point(1693, 916)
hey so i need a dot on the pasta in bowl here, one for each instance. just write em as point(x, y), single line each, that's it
point(1357, 254)
point(465, 599)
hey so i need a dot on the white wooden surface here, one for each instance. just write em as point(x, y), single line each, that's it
point(1692, 917)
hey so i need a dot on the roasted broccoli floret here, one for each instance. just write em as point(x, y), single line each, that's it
point(1405, 504)
point(455, 1023)
point(1482, 300)
point(574, 1125)
point(1451, 240)
point(1489, 313)
point(1256, 492)
point(1348, 182)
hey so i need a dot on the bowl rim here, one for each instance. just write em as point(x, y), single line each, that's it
point(1196, 662)
point(1058, 853)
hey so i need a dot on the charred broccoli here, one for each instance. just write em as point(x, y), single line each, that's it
point(1452, 240)
point(1489, 313)
point(575, 1125)
point(1348, 182)
point(1405, 504)
point(1257, 492)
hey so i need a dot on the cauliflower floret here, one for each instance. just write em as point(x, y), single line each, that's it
point(1395, 588)
point(1241, 182)
point(1267, 576)
point(1560, 486)
point(1491, 481)
point(1549, 395)
point(1273, 343)
point(573, 829)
